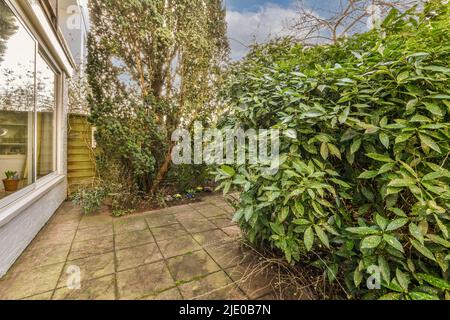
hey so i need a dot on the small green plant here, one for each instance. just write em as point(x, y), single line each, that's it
point(120, 212)
point(160, 199)
point(12, 175)
point(90, 199)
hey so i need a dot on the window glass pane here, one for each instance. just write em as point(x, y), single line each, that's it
point(45, 107)
point(17, 59)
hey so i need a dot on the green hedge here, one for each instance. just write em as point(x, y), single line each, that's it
point(365, 185)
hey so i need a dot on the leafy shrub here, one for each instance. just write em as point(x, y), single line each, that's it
point(185, 177)
point(113, 185)
point(90, 199)
point(163, 78)
point(365, 185)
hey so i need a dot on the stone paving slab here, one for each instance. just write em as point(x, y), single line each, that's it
point(91, 268)
point(179, 246)
point(88, 248)
point(137, 256)
point(217, 286)
point(146, 280)
point(96, 289)
point(186, 252)
point(132, 239)
point(192, 266)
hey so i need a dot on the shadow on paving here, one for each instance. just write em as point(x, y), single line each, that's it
point(187, 252)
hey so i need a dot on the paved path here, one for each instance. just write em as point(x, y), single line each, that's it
point(185, 252)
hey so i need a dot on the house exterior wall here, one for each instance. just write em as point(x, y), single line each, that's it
point(25, 215)
point(17, 234)
point(73, 22)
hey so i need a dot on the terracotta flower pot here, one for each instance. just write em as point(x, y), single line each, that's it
point(11, 185)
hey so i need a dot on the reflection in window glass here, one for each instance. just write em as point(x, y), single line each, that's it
point(45, 108)
point(17, 60)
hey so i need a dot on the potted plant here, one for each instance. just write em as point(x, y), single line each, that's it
point(11, 182)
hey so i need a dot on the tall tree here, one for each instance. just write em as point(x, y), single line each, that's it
point(153, 67)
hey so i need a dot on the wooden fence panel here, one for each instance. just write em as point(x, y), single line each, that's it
point(80, 157)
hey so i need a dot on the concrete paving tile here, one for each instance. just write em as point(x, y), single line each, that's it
point(217, 286)
point(41, 256)
point(188, 215)
point(129, 224)
point(197, 225)
point(94, 232)
point(228, 254)
point(222, 221)
point(133, 239)
point(199, 205)
point(211, 211)
point(171, 294)
point(168, 232)
point(95, 221)
point(211, 238)
point(84, 249)
point(54, 238)
point(57, 226)
point(29, 283)
point(97, 289)
point(90, 268)
point(178, 246)
point(144, 281)
point(161, 220)
point(137, 256)
point(190, 266)
point(40, 297)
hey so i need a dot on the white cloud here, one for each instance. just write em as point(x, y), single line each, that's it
point(249, 27)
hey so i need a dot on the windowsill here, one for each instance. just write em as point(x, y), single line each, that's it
point(43, 187)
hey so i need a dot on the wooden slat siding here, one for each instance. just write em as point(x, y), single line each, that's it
point(80, 160)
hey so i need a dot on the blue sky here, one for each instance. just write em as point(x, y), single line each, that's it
point(251, 21)
point(253, 5)
point(256, 21)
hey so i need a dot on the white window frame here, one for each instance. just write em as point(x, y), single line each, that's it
point(37, 186)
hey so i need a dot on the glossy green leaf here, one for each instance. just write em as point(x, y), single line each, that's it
point(397, 224)
point(423, 250)
point(322, 236)
point(309, 238)
point(393, 242)
point(371, 242)
point(429, 142)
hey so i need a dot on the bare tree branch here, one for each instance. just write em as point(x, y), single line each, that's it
point(318, 25)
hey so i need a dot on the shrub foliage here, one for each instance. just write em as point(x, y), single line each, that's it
point(363, 188)
point(153, 67)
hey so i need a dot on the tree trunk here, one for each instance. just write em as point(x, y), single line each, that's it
point(163, 170)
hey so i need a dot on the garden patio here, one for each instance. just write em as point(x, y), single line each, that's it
point(348, 198)
point(186, 252)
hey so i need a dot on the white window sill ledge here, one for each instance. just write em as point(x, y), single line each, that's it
point(11, 211)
